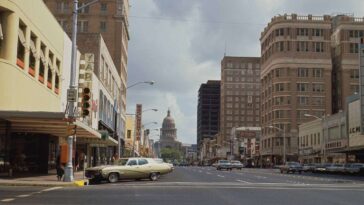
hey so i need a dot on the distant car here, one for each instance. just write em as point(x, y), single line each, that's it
point(236, 164)
point(355, 168)
point(223, 164)
point(322, 168)
point(308, 167)
point(291, 167)
point(334, 168)
point(129, 168)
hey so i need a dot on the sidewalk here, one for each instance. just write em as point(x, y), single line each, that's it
point(42, 180)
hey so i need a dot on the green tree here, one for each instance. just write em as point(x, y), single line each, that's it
point(170, 154)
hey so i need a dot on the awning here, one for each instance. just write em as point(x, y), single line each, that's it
point(52, 123)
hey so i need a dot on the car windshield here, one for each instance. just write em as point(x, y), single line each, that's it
point(223, 161)
point(235, 162)
point(123, 162)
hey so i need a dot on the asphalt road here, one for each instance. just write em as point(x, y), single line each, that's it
point(203, 185)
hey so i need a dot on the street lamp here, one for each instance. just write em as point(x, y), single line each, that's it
point(284, 141)
point(323, 137)
point(152, 109)
point(141, 82)
point(72, 91)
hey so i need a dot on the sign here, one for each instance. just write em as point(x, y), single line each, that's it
point(71, 95)
point(247, 134)
point(138, 121)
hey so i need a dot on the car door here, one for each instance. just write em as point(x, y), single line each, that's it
point(145, 168)
point(131, 169)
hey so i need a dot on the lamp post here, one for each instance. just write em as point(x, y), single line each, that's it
point(284, 141)
point(72, 91)
point(323, 147)
point(141, 82)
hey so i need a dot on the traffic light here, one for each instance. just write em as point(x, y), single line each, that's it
point(86, 97)
point(71, 130)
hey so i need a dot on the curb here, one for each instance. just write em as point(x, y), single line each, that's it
point(78, 183)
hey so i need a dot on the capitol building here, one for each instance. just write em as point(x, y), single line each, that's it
point(168, 134)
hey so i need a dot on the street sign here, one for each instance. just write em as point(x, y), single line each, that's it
point(71, 95)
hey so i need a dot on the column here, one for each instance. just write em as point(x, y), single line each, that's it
point(11, 36)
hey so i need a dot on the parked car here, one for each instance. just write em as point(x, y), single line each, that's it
point(236, 164)
point(291, 167)
point(129, 168)
point(223, 164)
point(321, 168)
point(355, 168)
point(334, 168)
point(308, 167)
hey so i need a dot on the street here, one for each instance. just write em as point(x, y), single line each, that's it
point(203, 185)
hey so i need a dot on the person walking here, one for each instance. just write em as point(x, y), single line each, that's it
point(59, 168)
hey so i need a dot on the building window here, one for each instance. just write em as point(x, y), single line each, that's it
point(317, 87)
point(84, 10)
point(49, 78)
point(354, 73)
point(302, 31)
point(317, 73)
point(354, 48)
point(21, 46)
point(317, 32)
point(302, 46)
point(128, 134)
point(103, 26)
point(42, 64)
point(318, 47)
point(279, 87)
point(302, 100)
point(302, 87)
point(354, 89)
point(103, 7)
point(318, 101)
point(301, 113)
point(302, 72)
point(82, 26)
point(32, 56)
point(62, 6)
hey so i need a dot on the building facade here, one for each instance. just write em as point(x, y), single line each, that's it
point(208, 111)
point(35, 69)
point(239, 97)
point(296, 79)
point(107, 17)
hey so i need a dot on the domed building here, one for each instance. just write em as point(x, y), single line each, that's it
point(168, 134)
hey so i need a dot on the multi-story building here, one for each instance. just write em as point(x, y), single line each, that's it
point(309, 66)
point(208, 110)
point(240, 97)
point(129, 135)
point(107, 17)
point(296, 79)
point(34, 77)
point(346, 33)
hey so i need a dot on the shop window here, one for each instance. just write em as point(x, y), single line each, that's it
point(21, 46)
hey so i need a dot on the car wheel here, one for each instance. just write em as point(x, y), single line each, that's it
point(154, 176)
point(113, 177)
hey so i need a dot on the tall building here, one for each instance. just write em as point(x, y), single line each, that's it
point(107, 17)
point(240, 97)
point(309, 66)
point(296, 80)
point(208, 110)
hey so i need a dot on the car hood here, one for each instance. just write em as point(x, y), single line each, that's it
point(98, 167)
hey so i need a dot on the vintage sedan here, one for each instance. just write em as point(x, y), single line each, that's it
point(129, 168)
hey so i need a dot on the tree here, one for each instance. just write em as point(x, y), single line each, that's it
point(170, 154)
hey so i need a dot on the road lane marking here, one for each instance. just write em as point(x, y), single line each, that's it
point(243, 181)
point(8, 200)
point(51, 189)
point(220, 176)
point(23, 195)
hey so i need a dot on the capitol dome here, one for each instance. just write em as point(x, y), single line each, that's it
point(168, 122)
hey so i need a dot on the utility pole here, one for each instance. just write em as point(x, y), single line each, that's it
point(72, 91)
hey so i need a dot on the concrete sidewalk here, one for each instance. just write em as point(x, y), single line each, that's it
point(42, 180)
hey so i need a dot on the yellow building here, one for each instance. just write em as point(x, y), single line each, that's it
point(34, 77)
point(129, 136)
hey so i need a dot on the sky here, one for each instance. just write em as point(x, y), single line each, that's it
point(180, 43)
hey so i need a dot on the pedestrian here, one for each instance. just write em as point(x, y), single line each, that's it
point(59, 168)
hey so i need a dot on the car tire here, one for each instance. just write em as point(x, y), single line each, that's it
point(154, 176)
point(113, 177)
